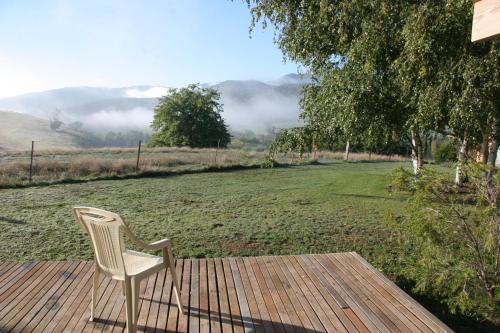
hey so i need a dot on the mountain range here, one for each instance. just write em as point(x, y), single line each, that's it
point(249, 105)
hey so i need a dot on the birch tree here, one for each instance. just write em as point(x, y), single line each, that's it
point(406, 67)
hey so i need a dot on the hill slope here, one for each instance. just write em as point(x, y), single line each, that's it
point(248, 104)
point(17, 130)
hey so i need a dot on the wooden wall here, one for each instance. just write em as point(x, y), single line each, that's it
point(486, 22)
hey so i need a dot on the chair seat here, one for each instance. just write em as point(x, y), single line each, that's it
point(138, 263)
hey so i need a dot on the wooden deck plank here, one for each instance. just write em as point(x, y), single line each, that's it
point(14, 296)
point(9, 270)
point(296, 295)
point(103, 312)
point(19, 282)
point(414, 306)
point(57, 313)
point(249, 310)
point(119, 325)
point(108, 317)
point(21, 305)
point(391, 304)
point(17, 274)
point(300, 322)
point(274, 314)
point(155, 302)
point(226, 324)
point(82, 309)
point(345, 292)
point(345, 317)
point(316, 302)
point(145, 301)
point(114, 316)
point(366, 278)
point(266, 282)
point(173, 312)
point(338, 318)
point(37, 303)
point(215, 324)
point(64, 317)
point(194, 301)
point(53, 301)
point(234, 304)
point(283, 294)
point(204, 309)
point(185, 289)
point(361, 306)
point(84, 324)
point(163, 310)
point(4, 266)
point(379, 305)
point(261, 314)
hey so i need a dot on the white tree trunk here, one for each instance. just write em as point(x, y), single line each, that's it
point(416, 153)
point(462, 155)
point(346, 155)
point(493, 150)
point(484, 153)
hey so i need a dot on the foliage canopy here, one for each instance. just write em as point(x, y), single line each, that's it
point(190, 116)
point(390, 70)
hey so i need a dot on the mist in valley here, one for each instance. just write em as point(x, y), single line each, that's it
point(104, 116)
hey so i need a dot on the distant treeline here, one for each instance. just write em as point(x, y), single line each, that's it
point(241, 140)
point(130, 138)
point(127, 138)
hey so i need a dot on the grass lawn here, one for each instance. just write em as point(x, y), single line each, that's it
point(302, 209)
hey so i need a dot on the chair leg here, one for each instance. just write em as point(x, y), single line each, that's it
point(129, 307)
point(95, 286)
point(136, 287)
point(177, 289)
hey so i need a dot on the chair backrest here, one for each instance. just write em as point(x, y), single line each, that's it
point(105, 231)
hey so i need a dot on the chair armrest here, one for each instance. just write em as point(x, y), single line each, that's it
point(153, 246)
point(158, 245)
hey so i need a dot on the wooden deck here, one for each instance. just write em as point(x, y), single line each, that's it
point(309, 293)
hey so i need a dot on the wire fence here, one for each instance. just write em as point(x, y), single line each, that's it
point(45, 166)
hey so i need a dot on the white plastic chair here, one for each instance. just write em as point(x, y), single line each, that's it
point(106, 231)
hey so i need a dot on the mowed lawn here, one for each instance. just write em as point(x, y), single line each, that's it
point(303, 209)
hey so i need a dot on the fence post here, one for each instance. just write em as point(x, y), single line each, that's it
point(31, 160)
point(138, 157)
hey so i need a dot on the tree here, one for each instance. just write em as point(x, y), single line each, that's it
point(55, 123)
point(349, 46)
point(189, 116)
point(390, 68)
point(455, 235)
point(449, 81)
point(297, 139)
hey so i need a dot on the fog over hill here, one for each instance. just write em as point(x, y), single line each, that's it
point(248, 105)
point(18, 130)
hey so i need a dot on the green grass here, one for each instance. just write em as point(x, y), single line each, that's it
point(302, 209)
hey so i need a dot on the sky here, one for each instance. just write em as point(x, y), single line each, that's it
point(115, 43)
